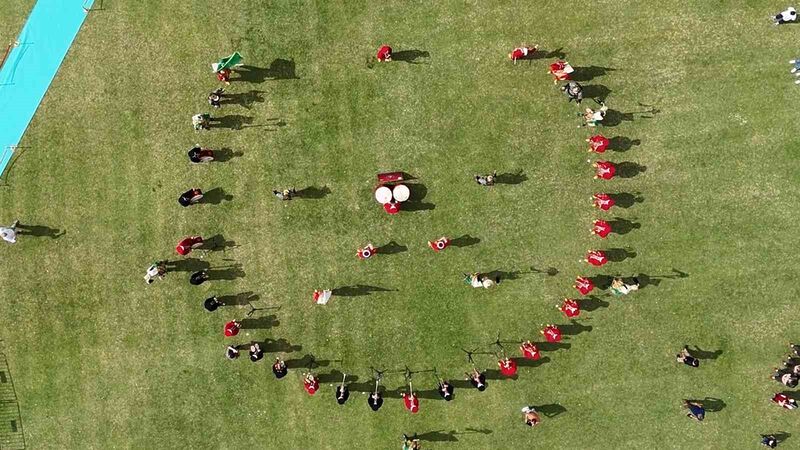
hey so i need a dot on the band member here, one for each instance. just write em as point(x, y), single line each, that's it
point(560, 70)
point(384, 53)
point(476, 379)
point(531, 416)
point(310, 383)
point(598, 143)
point(232, 328)
point(212, 303)
point(596, 257)
point(342, 394)
point(411, 402)
point(322, 297)
point(375, 401)
point(255, 352)
point(583, 285)
point(190, 197)
point(604, 169)
point(279, 368)
point(199, 154)
point(186, 245)
point(366, 252)
point(508, 367)
point(439, 244)
point(602, 201)
point(445, 390)
point(551, 333)
point(530, 351)
point(601, 228)
point(231, 352)
point(570, 308)
point(522, 52)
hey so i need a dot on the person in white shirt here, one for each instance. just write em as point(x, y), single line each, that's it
point(787, 16)
point(9, 234)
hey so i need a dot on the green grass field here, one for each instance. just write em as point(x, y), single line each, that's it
point(101, 360)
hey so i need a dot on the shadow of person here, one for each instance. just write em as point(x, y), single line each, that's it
point(550, 271)
point(229, 273)
point(226, 154)
point(464, 241)
point(711, 404)
point(781, 436)
point(574, 328)
point(599, 93)
point(551, 410)
point(511, 178)
point(280, 346)
point(244, 99)
point(216, 196)
point(359, 290)
point(391, 248)
point(240, 299)
point(417, 192)
point(495, 374)
point(592, 303)
point(335, 376)
point(187, 265)
point(303, 362)
point(282, 69)
point(39, 231)
point(438, 436)
point(524, 362)
point(623, 226)
point(430, 394)
point(417, 206)
point(614, 117)
point(410, 56)
point(545, 54)
point(477, 430)
point(622, 143)
point(217, 243)
point(588, 73)
point(257, 323)
point(626, 200)
point(553, 346)
point(705, 354)
point(499, 275)
point(619, 254)
point(602, 281)
point(313, 192)
point(629, 169)
point(231, 121)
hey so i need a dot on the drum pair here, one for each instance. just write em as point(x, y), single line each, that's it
point(397, 193)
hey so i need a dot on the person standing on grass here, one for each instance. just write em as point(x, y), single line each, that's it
point(696, 410)
point(522, 52)
point(224, 76)
point(604, 169)
point(411, 443)
point(530, 416)
point(411, 402)
point(156, 271)
point(573, 91)
point(685, 357)
point(601, 228)
point(212, 303)
point(231, 352)
point(486, 180)
point(788, 15)
point(551, 333)
point(560, 70)
point(784, 401)
point(592, 117)
point(201, 122)
point(570, 308)
point(530, 351)
point(342, 394)
point(198, 278)
point(321, 297)
point(215, 97)
point(199, 154)
point(445, 390)
point(596, 257)
point(384, 53)
point(476, 379)
point(255, 352)
point(187, 244)
point(439, 244)
point(279, 368)
point(508, 367)
point(583, 285)
point(598, 143)
point(375, 401)
point(769, 440)
point(786, 378)
point(190, 197)
point(310, 383)
point(232, 328)
point(367, 252)
point(602, 201)
point(9, 234)
point(285, 194)
point(620, 287)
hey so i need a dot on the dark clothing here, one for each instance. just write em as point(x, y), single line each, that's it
point(769, 441)
point(231, 352)
point(375, 403)
point(198, 278)
point(573, 91)
point(480, 383)
point(691, 361)
point(279, 370)
point(189, 197)
point(446, 391)
point(256, 353)
point(211, 304)
point(342, 394)
point(697, 411)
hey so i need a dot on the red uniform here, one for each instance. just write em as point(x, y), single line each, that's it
point(508, 367)
point(552, 333)
point(224, 75)
point(311, 385)
point(384, 53)
point(570, 308)
point(411, 402)
point(583, 285)
point(530, 351)
point(601, 228)
point(557, 70)
point(605, 170)
point(232, 328)
point(366, 252)
point(391, 207)
point(596, 257)
point(186, 245)
point(439, 244)
point(598, 143)
point(517, 53)
point(603, 201)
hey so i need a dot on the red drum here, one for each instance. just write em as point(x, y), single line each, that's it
point(390, 177)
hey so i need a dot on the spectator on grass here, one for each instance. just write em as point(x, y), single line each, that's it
point(9, 234)
point(190, 197)
point(620, 287)
point(201, 122)
point(573, 91)
point(696, 410)
point(384, 53)
point(187, 244)
point(215, 97)
point(478, 280)
point(232, 328)
point(199, 154)
point(445, 390)
point(411, 443)
point(522, 52)
point(198, 278)
point(598, 143)
point(560, 70)
point(224, 76)
point(342, 394)
point(593, 118)
point(786, 16)
point(530, 416)
point(486, 180)
point(231, 352)
point(476, 379)
point(784, 401)
point(375, 401)
point(685, 357)
point(279, 368)
point(255, 352)
point(156, 271)
point(793, 366)
point(795, 349)
point(285, 194)
point(212, 303)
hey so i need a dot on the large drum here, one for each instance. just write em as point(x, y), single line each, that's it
point(383, 195)
point(401, 192)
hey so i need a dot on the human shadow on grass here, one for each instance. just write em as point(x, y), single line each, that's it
point(260, 323)
point(655, 280)
point(626, 200)
point(623, 226)
point(226, 154)
point(495, 374)
point(588, 73)
point(705, 354)
point(417, 192)
point(546, 54)
point(359, 290)
point(231, 121)
point(500, 276)
point(438, 436)
point(628, 169)
point(391, 248)
point(280, 346)
point(240, 299)
point(470, 430)
point(551, 410)
point(599, 93)
point(39, 231)
point(226, 273)
point(511, 178)
point(464, 241)
point(187, 265)
point(312, 192)
point(430, 394)
point(574, 328)
point(622, 143)
point(524, 362)
point(279, 69)
point(553, 346)
point(218, 243)
point(216, 196)
point(550, 271)
point(410, 56)
point(711, 404)
point(244, 99)
point(602, 281)
point(619, 254)
point(615, 117)
point(592, 303)
point(307, 361)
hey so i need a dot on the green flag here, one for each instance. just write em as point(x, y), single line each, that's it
point(227, 62)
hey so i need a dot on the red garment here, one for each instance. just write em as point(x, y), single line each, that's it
point(552, 333)
point(439, 244)
point(601, 228)
point(517, 53)
point(391, 207)
point(311, 386)
point(411, 402)
point(232, 328)
point(530, 351)
point(508, 367)
point(570, 308)
point(598, 143)
point(224, 75)
point(366, 252)
point(783, 400)
point(596, 257)
point(605, 170)
point(384, 53)
point(583, 285)
point(556, 69)
point(603, 201)
point(186, 245)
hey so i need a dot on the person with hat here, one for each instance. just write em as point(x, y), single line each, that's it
point(367, 252)
point(411, 402)
point(574, 91)
point(530, 351)
point(602, 201)
point(279, 368)
point(583, 285)
point(342, 394)
point(231, 352)
point(596, 258)
point(186, 244)
point(570, 308)
point(322, 297)
point(157, 270)
point(530, 416)
point(255, 352)
point(598, 143)
point(604, 169)
point(212, 303)
point(384, 53)
point(551, 333)
point(601, 228)
point(476, 379)
point(508, 367)
point(190, 197)
point(439, 244)
point(232, 328)
point(310, 383)
point(285, 194)
point(486, 180)
point(522, 52)
point(375, 401)
point(198, 278)
point(696, 410)
point(199, 154)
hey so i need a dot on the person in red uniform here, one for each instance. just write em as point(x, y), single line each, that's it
point(570, 308)
point(601, 228)
point(596, 257)
point(439, 244)
point(551, 333)
point(310, 383)
point(384, 53)
point(530, 351)
point(598, 143)
point(605, 170)
point(224, 76)
point(602, 201)
point(508, 367)
point(583, 285)
point(392, 207)
point(784, 401)
point(522, 52)
point(560, 71)
point(411, 402)
point(366, 252)
point(232, 328)
point(186, 245)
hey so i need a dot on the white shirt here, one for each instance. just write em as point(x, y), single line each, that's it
point(790, 15)
point(8, 234)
